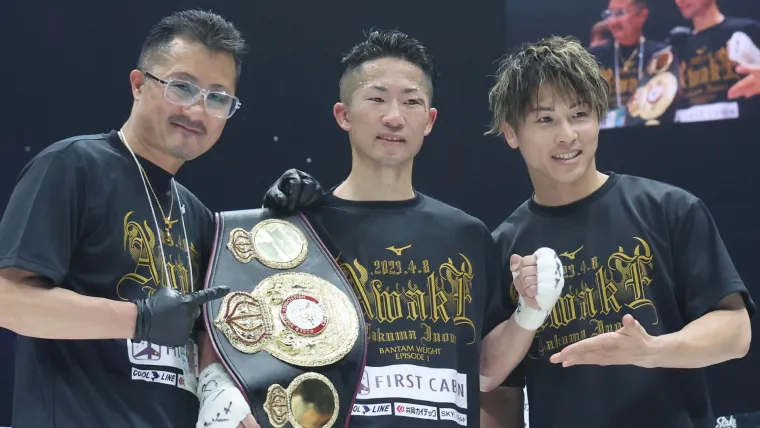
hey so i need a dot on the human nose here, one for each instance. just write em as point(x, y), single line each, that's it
point(567, 133)
point(392, 117)
point(197, 107)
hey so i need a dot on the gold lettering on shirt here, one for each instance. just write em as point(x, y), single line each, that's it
point(149, 273)
point(707, 76)
point(436, 299)
point(596, 297)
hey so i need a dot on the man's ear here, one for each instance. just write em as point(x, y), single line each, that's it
point(340, 111)
point(510, 135)
point(136, 80)
point(432, 116)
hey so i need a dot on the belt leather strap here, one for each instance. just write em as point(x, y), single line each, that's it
point(291, 332)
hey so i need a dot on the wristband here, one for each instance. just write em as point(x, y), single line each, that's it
point(222, 403)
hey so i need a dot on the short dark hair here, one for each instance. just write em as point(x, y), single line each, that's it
point(207, 28)
point(560, 62)
point(389, 44)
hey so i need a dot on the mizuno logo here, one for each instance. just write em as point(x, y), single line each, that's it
point(398, 251)
point(572, 255)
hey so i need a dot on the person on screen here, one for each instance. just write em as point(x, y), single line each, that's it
point(652, 296)
point(708, 62)
point(407, 254)
point(102, 251)
point(624, 59)
point(600, 34)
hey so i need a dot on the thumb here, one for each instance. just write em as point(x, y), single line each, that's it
point(739, 89)
point(628, 320)
point(630, 323)
point(746, 69)
point(515, 262)
point(202, 297)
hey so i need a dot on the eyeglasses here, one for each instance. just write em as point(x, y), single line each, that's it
point(618, 13)
point(180, 92)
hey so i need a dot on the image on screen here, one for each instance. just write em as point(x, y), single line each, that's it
point(667, 61)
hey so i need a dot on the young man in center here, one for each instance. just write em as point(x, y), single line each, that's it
point(425, 273)
point(651, 292)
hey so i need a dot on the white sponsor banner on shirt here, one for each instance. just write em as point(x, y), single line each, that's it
point(708, 112)
point(453, 415)
point(157, 376)
point(415, 411)
point(184, 358)
point(381, 409)
point(414, 382)
point(148, 354)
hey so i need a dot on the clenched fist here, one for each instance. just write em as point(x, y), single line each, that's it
point(539, 281)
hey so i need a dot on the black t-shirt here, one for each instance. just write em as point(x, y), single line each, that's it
point(424, 273)
point(80, 217)
point(630, 59)
point(707, 73)
point(635, 246)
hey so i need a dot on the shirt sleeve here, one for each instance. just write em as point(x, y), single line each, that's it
point(753, 31)
point(503, 238)
point(705, 273)
point(42, 222)
point(495, 312)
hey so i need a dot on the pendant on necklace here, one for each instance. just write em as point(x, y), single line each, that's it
point(167, 238)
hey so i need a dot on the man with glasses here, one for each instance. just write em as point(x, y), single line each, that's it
point(624, 59)
point(101, 251)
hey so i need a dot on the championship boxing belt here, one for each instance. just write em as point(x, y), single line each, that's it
point(290, 332)
point(652, 103)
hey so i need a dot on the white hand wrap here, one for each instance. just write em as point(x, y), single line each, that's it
point(550, 281)
point(222, 403)
point(742, 50)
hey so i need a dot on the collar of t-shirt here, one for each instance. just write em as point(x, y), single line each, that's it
point(333, 201)
point(579, 205)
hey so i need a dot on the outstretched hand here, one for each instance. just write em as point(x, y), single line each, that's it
point(629, 345)
point(747, 87)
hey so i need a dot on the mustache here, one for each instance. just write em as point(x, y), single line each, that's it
point(184, 121)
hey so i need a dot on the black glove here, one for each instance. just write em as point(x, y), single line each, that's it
point(167, 317)
point(295, 190)
point(678, 37)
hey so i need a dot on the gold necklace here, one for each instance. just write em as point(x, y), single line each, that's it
point(166, 235)
point(629, 62)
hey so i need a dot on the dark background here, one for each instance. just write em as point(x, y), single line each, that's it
point(66, 73)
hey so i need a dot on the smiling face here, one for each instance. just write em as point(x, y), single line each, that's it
point(182, 132)
point(558, 139)
point(386, 111)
